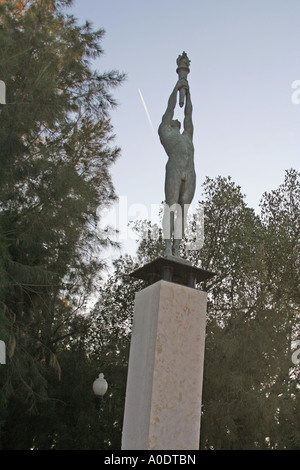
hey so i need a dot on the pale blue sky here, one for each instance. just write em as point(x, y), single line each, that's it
point(244, 55)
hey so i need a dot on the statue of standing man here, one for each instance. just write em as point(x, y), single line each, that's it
point(180, 179)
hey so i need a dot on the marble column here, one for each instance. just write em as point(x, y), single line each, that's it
point(165, 373)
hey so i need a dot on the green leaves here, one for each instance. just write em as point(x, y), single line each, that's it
point(57, 148)
point(250, 383)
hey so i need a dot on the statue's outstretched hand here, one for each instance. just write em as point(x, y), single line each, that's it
point(183, 83)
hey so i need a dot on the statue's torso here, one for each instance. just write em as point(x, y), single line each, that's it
point(179, 148)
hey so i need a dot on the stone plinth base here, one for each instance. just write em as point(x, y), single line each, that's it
point(172, 269)
point(164, 384)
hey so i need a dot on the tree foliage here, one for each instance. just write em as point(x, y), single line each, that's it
point(56, 142)
point(251, 386)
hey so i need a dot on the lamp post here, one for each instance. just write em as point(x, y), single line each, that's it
point(99, 388)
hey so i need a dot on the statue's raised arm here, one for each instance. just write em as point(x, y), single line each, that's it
point(167, 119)
point(168, 116)
point(188, 123)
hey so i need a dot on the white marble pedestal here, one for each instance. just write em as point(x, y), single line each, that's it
point(164, 383)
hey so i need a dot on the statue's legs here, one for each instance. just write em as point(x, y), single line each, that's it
point(173, 225)
point(179, 193)
point(179, 228)
point(172, 190)
point(186, 194)
point(168, 229)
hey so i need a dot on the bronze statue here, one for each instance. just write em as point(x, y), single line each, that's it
point(180, 179)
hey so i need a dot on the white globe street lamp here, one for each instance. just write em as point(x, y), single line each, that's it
point(100, 387)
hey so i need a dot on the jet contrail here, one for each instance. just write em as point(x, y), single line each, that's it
point(146, 110)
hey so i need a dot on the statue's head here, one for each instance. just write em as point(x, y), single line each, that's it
point(176, 124)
